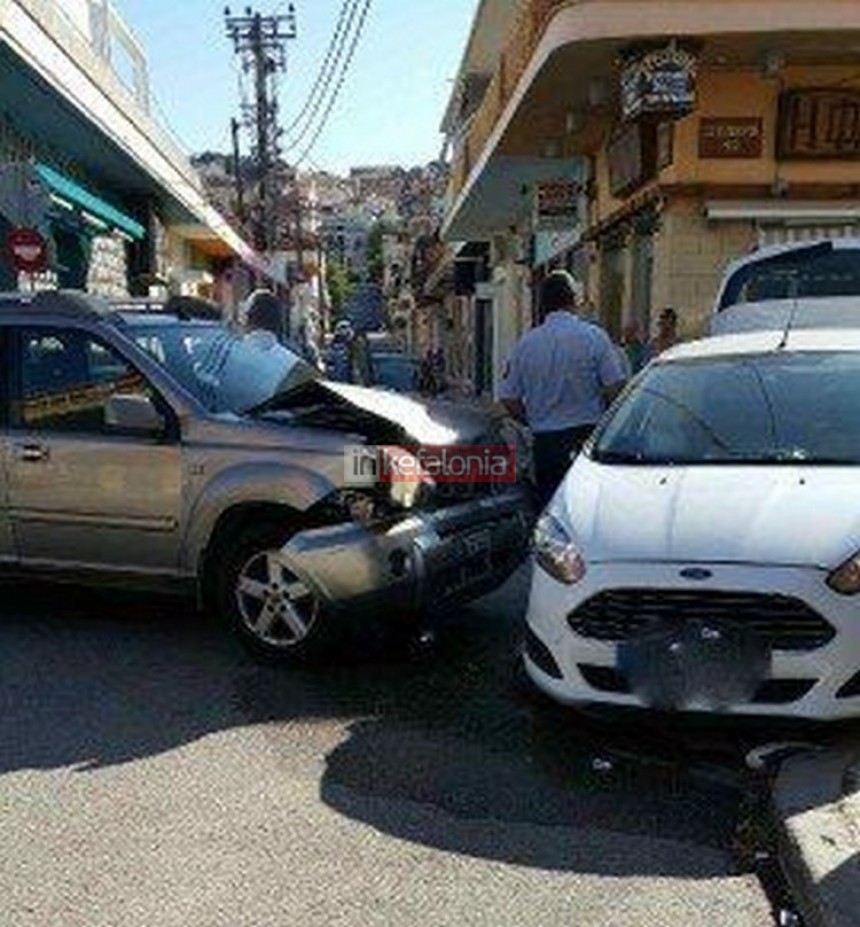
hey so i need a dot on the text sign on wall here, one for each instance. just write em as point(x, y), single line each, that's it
point(557, 203)
point(659, 82)
point(819, 124)
point(731, 137)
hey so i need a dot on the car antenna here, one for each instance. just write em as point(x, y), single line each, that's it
point(795, 305)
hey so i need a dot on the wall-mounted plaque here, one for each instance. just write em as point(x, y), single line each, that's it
point(731, 137)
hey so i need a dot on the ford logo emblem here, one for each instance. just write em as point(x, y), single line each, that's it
point(695, 574)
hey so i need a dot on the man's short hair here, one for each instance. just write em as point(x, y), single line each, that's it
point(669, 315)
point(560, 290)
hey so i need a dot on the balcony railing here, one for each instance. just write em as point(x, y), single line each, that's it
point(521, 43)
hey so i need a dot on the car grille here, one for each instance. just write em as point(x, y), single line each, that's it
point(471, 558)
point(781, 622)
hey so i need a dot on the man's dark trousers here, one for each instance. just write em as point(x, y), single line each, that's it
point(552, 455)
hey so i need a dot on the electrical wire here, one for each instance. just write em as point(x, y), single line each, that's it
point(341, 80)
point(334, 57)
point(346, 7)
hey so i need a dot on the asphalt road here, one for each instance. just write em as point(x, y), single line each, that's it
point(150, 774)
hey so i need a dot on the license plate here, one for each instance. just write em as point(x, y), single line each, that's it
point(699, 664)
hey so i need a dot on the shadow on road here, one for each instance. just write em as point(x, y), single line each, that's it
point(89, 680)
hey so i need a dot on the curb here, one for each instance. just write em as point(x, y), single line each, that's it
point(818, 835)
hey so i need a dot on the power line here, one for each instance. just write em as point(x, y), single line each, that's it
point(332, 60)
point(260, 42)
point(341, 80)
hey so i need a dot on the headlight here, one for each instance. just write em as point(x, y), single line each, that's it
point(362, 507)
point(408, 483)
point(556, 552)
point(846, 579)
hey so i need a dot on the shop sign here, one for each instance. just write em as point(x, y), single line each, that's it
point(731, 137)
point(27, 249)
point(819, 124)
point(557, 204)
point(659, 82)
point(632, 158)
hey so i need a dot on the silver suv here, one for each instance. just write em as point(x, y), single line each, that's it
point(162, 450)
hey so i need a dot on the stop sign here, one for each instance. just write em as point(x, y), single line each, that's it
point(28, 250)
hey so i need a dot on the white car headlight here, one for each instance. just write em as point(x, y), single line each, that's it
point(556, 552)
point(846, 579)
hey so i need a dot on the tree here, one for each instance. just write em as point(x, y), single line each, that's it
point(340, 286)
point(375, 260)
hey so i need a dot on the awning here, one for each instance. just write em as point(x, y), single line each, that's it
point(73, 195)
point(786, 211)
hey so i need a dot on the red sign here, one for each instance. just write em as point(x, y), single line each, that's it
point(28, 250)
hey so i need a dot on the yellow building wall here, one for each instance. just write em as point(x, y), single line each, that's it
point(739, 93)
point(691, 252)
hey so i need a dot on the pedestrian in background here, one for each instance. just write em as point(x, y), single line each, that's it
point(263, 311)
point(667, 332)
point(635, 347)
point(339, 355)
point(559, 379)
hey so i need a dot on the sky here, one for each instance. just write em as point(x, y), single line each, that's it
point(390, 107)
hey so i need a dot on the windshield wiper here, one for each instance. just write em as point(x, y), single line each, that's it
point(632, 457)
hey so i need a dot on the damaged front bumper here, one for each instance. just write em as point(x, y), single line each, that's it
point(434, 557)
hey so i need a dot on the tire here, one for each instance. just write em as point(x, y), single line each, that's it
point(275, 616)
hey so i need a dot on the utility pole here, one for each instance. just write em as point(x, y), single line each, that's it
point(237, 172)
point(261, 42)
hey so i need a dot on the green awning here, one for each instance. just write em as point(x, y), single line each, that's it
point(75, 195)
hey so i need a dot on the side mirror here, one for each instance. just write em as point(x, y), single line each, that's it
point(133, 413)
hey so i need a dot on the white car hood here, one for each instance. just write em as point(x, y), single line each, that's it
point(781, 515)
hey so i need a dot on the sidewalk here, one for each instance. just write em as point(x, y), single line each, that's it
point(817, 809)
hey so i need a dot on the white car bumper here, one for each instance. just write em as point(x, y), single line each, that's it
point(815, 637)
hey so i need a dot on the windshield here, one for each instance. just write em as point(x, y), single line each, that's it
point(774, 408)
point(817, 271)
point(227, 370)
point(395, 371)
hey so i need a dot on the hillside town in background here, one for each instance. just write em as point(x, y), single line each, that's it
point(357, 247)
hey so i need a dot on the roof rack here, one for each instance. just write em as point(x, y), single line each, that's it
point(184, 308)
point(72, 303)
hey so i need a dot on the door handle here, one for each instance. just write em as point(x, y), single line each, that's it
point(32, 453)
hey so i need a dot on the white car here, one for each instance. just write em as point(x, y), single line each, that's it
point(807, 284)
point(703, 552)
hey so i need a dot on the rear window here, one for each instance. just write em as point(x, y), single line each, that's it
point(808, 272)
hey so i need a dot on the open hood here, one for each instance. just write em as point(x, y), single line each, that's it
point(381, 417)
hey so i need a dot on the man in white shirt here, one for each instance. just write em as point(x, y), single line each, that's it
point(559, 379)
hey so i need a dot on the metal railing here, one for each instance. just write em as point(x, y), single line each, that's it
point(92, 56)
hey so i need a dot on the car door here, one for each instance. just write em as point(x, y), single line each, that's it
point(7, 547)
point(83, 493)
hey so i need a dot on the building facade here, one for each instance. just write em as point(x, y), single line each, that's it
point(645, 143)
point(83, 164)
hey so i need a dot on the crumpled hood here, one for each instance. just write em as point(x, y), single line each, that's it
point(786, 515)
point(383, 416)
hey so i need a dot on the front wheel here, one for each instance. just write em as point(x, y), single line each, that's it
point(276, 616)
